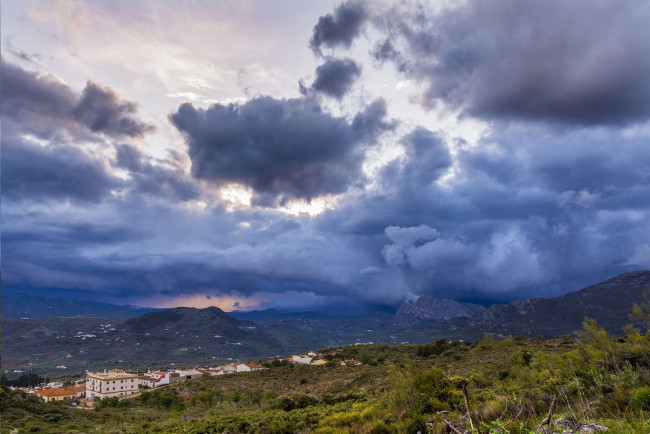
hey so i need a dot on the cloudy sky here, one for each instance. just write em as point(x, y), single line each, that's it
point(293, 154)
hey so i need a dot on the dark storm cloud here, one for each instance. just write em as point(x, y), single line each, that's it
point(41, 104)
point(428, 156)
point(104, 111)
point(45, 129)
point(340, 28)
point(123, 263)
point(529, 212)
point(581, 62)
point(285, 148)
point(335, 77)
point(372, 122)
point(53, 173)
point(78, 234)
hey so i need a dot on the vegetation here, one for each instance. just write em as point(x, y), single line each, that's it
point(26, 379)
point(510, 385)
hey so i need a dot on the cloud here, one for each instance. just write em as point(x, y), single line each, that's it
point(41, 103)
point(287, 148)
point(579, 62)
point(528, 211)
point(54, 173)
point(47, 107)
point(402, 239)
point(335, 77)
point(155, 179)
point(340, 28)
point(54, 146)
point(104, 111)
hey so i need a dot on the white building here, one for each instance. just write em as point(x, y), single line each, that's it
point(228, 369)
point(112, 383)
point(302, 360)
point(155, 379)
point(189, 374)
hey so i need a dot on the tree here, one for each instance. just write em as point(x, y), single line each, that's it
point(256, 397)
point(206, 397)
point(235, 396)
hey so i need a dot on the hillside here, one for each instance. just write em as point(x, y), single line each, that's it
point(510, 385)
point(176, 335)
point(609, 302)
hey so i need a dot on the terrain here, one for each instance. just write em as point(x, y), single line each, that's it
point(191, 336)
point(511, 384)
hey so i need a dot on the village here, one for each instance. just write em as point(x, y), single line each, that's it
point(122, 385)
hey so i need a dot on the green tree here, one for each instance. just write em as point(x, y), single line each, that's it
point(235, 396)
point(256, 397)
point(206, 397)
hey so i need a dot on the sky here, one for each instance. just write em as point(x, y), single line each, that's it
point(304, 155)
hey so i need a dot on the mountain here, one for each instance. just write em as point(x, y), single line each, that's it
point(433, 309)
point(609, 303)
point(32, 306)
point(196, 336)
point(180, 335)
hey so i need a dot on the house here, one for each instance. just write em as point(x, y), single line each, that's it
point(211, 371)
point(115, 382)
point(78, 389)
point(189, 374)
point(319, 362)
point(57, 394)
point(159, 377)
point(146, 381)
point(302, 360)
point(242, 367)
point(351, 362)
point(174, 377)
point(229, 369)
point(254, 367)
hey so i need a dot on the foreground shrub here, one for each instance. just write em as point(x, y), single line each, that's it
point(641, 398)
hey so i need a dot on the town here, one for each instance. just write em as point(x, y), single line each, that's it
point(120, 384)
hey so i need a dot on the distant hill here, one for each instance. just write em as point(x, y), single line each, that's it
point(609, 302)
point(175, 335)
point(32, 306)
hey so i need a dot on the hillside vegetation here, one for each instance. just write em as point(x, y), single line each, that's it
point(511, 385)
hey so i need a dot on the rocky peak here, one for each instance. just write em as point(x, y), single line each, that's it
point(435, 309)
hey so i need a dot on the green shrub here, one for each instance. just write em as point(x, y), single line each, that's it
point(641, 398)
point(281, 425)
point(415, 425)
point(380, 427)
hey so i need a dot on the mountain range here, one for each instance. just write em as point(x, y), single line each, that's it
point(195, 336)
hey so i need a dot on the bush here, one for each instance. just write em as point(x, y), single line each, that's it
point(415, 425)
point(297, 400)
point(380, 427)
point(641, 398)
point(280, 425)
